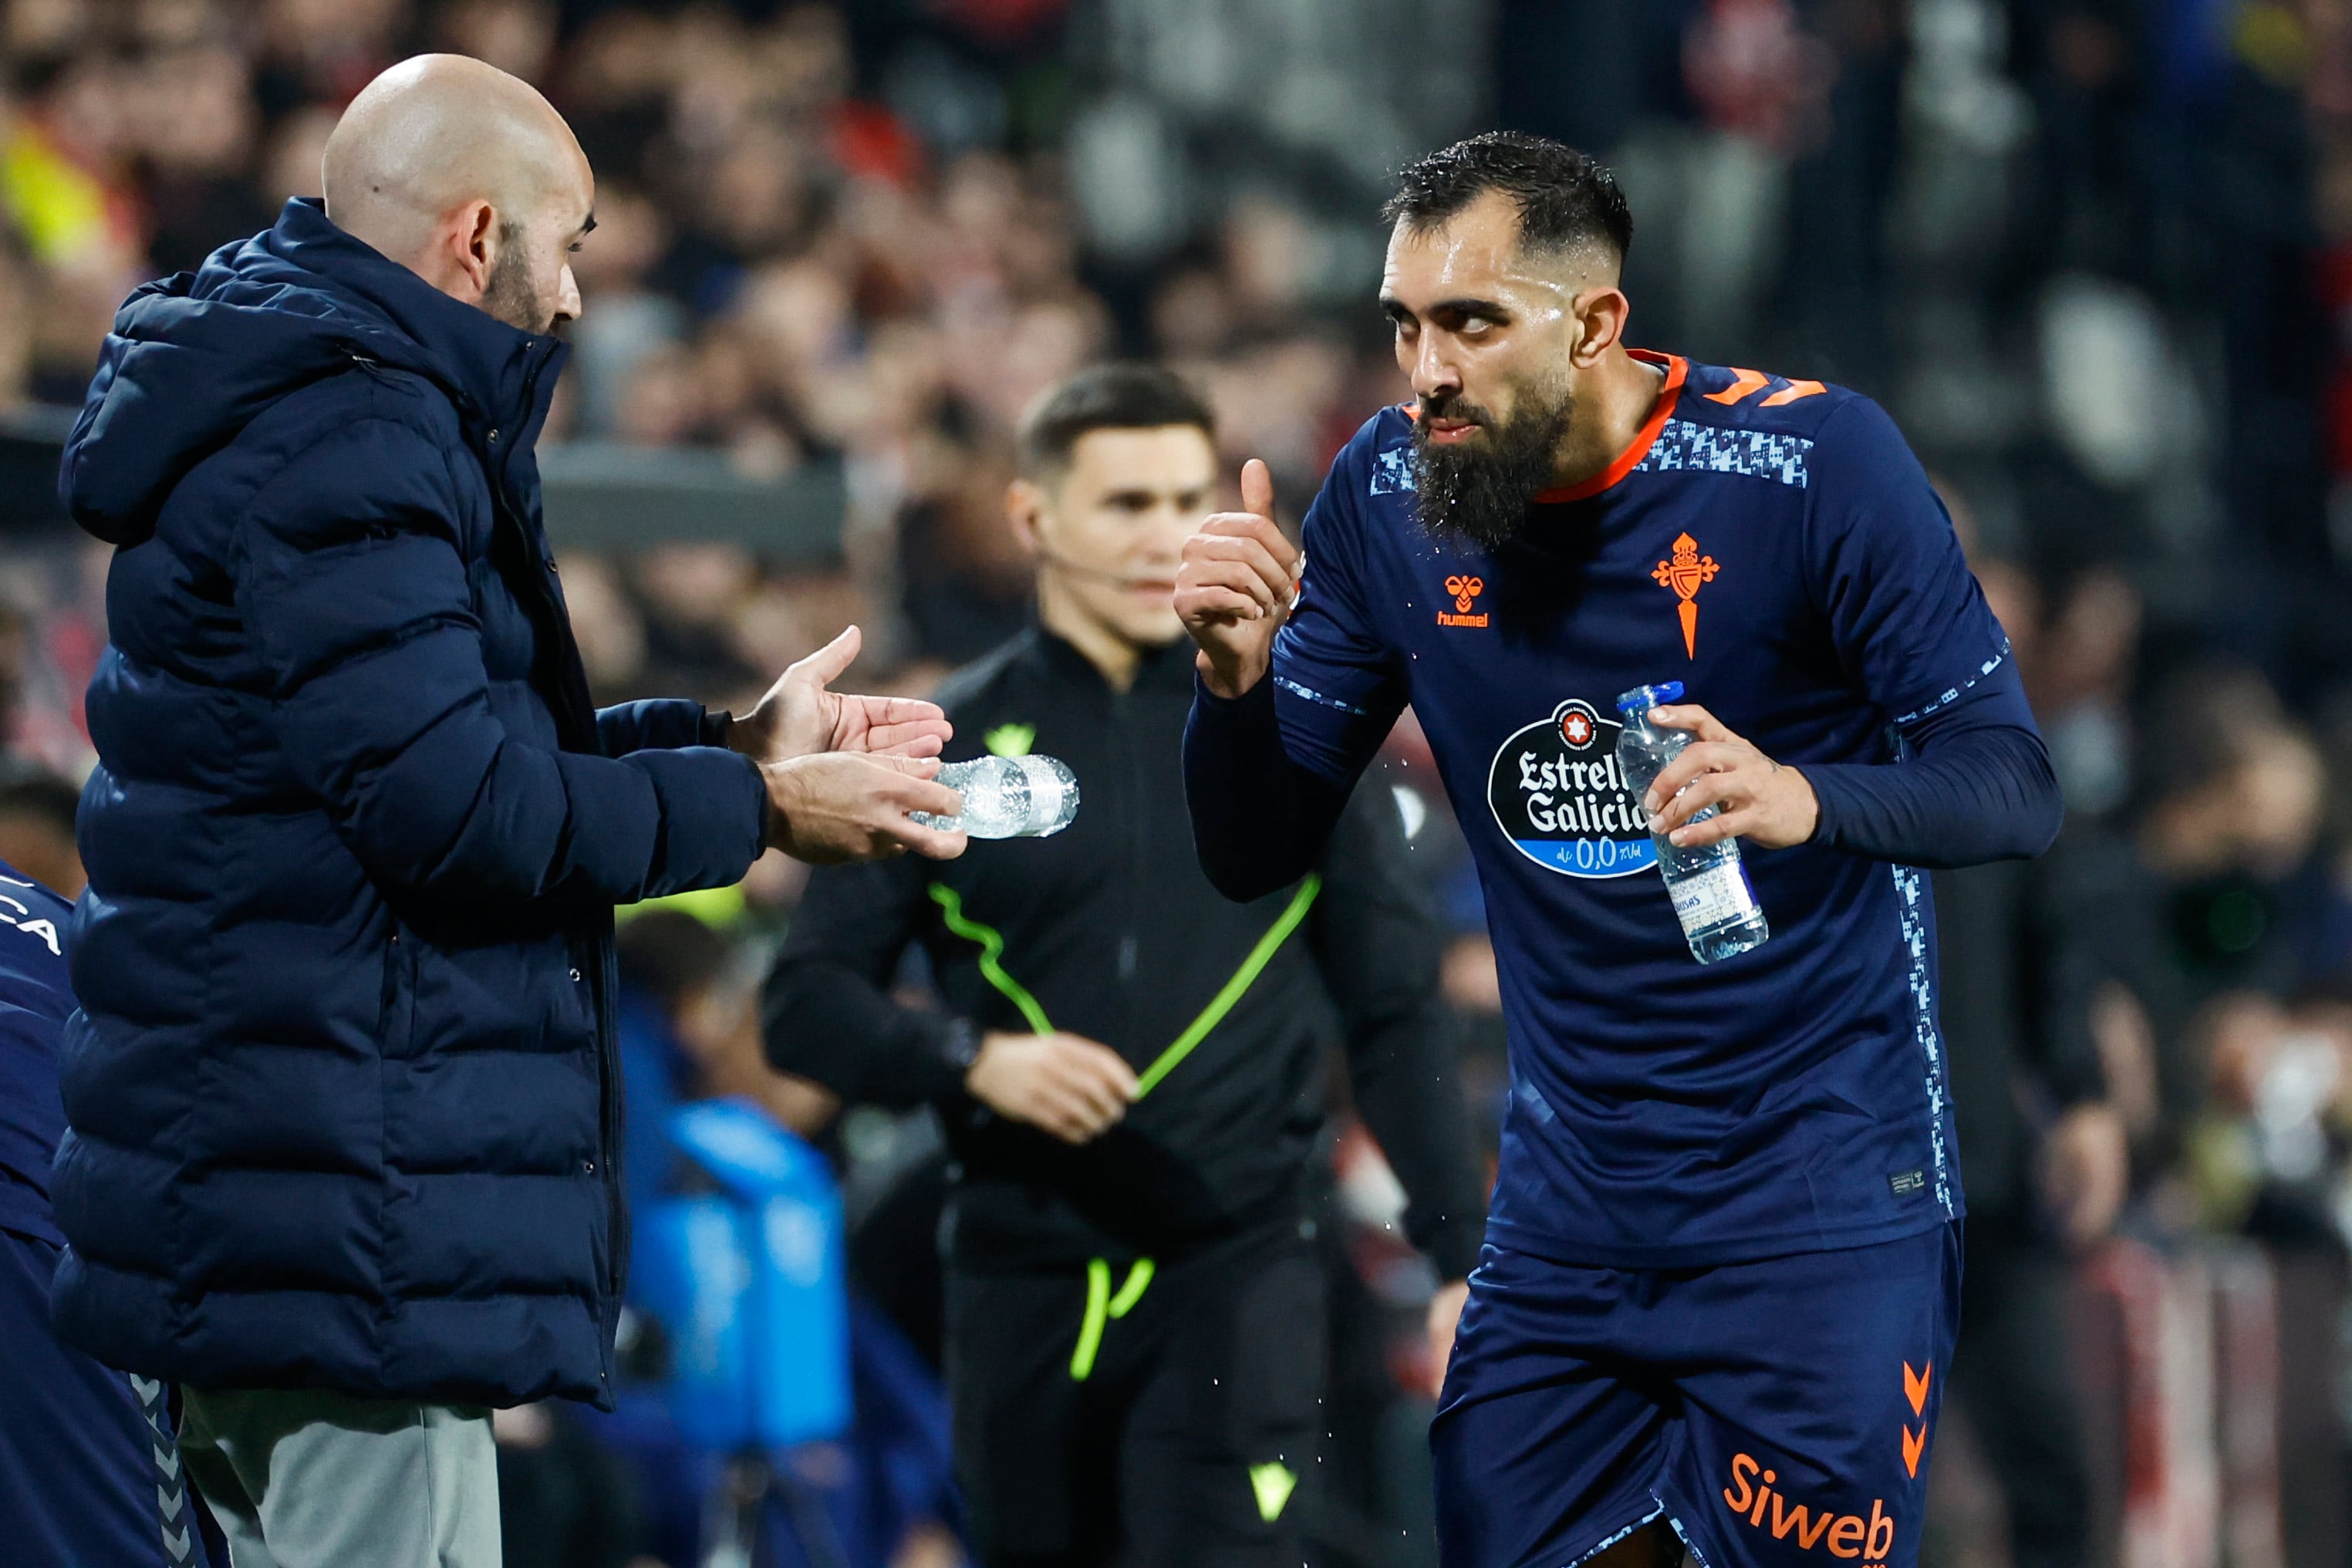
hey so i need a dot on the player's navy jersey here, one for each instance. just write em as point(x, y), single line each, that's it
point(1774, 546)
point(35, 1001)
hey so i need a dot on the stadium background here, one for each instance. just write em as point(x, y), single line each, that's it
point(2096, 256)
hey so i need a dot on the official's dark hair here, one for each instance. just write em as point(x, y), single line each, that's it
point(1565, 198)
point(1125, 395)
point(42, 796)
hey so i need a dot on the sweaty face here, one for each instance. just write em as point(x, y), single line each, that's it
point(1485, 333)
point(1111, 527)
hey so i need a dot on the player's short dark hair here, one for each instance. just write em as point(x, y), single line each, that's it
point(1566, 199)
point(1127, 394)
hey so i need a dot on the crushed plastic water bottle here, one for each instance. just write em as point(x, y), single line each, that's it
point(1008, 798)
point(1713, 897)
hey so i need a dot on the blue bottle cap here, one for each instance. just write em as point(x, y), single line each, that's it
point(1642, 699)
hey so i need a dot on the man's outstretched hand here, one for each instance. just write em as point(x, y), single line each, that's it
point(1236, 586)
point(799, 717)
point(838, 806)
point(1761, 799)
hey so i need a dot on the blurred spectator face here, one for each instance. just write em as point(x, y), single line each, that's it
point(194, 112)
point(1109, 529)
point(697, 584)
point(2249, 795)
point(1488, 336)
point(1270, 255)
point(1753, 71)
point(630, 235)
point(336, 47)
point(41, 29)
point(611, 633)
point(1192, 314)
point(757, 192)
point(2281, 789)
point(290, 168)
point(662, 402)
point(16, 333)
point(516, 36)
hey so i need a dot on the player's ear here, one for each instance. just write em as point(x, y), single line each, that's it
point(1601, 314)
point(1024, 510)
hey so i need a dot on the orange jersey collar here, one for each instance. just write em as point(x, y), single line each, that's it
point(1676, 368)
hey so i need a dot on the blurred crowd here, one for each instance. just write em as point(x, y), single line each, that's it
point(2095, 255)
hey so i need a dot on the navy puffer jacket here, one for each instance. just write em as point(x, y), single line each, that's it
point(342, 1093)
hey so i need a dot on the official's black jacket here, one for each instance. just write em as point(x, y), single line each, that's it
point(1114, 934)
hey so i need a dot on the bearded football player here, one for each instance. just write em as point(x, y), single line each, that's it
point(1717, 1294)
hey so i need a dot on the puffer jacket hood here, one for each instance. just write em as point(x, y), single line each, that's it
point(195, 356)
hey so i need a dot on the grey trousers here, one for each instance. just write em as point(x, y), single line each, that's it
point(305, 1479)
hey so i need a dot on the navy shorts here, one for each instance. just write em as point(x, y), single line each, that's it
point(1778, 1411)
point(89, 1472)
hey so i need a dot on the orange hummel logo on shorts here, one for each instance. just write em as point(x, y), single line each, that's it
point(1465, 591)
point(1684, 574)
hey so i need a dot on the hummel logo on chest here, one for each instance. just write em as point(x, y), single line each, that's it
point(1466, 592)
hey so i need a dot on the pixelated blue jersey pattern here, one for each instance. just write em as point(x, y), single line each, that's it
point(1752, 454)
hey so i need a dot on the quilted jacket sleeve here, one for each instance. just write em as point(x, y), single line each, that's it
point(351, 584)
point(659, 724)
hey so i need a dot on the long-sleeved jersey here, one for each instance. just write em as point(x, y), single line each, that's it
point(1774, 546)
point(1109, 930)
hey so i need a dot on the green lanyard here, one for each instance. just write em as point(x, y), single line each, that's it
point(991, 969)
point(1101, 1304)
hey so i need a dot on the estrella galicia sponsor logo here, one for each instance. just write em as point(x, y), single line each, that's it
point(1557, 794)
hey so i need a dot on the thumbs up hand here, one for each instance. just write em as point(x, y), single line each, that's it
point(1239, 577)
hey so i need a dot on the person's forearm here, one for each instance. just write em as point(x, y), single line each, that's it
point(1979, 793)
point(1259, 819)
point(827, 1022)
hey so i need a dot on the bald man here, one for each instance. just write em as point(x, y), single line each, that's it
point(342, 1093)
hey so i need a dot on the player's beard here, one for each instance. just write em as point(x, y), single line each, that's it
point(1478, 490)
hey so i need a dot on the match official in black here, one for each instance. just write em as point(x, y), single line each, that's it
point(1129, 1067)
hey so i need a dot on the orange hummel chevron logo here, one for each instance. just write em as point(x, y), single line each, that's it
point(1684, 574)
point(1748, 383)
point(1914, 1389)
point(1743, 382)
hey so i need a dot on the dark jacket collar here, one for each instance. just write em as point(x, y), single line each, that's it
point(195, 358)
point(487, 364)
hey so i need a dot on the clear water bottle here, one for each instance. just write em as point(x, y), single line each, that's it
point(1008, 798)
point(1713, 897)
